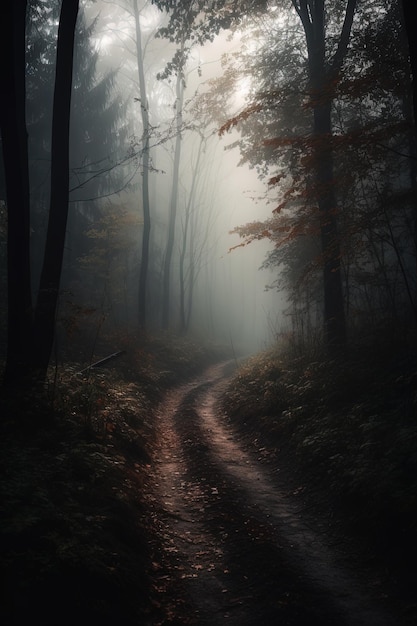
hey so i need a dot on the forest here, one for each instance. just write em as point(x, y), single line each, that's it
point(208, 329)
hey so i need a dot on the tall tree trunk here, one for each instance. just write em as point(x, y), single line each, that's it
point(15, 156)
point(334, 313)
point(187, 243)
point(322, 73)
point(409, 29)
point(144, 265)
point(166, 300)
point(410, 24)
point(183, 285)
point(44, 323)
point(191, 278)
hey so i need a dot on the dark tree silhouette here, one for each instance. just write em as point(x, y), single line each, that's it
point(409, 9)
point(44, 322)
point(322, 74)
point(15, 156)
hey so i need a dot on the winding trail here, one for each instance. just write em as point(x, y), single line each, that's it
point(234, 546)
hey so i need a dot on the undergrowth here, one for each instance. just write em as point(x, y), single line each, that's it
point(348, 428)
point(75, 536)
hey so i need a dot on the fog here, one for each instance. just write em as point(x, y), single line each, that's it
point(230, 301)
point(211, 194)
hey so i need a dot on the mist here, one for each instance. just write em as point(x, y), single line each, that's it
point(230, 302)
point(224, 292)
point(192, 202)
point(208, 237)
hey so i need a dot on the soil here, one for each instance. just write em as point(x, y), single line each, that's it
point(235, 540)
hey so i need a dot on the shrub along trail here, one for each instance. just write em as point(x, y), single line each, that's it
point(233, 543)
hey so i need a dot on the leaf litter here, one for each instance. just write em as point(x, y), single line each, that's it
point(231, 539)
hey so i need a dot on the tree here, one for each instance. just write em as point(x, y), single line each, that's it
point(15, 156)
point(145, 96)
point(408, 7)
point(46, 304)
point(187, 244)
point(306, 146)
point(199, 204)
point(323, 73)
point(199, 22)
point(32, 350)
point(146, 129)
point(179, 102)
point(190, 24)
point(97, 141)
point(409, 26)
point(370, 145)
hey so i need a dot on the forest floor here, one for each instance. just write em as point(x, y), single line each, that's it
point(237, 542)
point(141, 500)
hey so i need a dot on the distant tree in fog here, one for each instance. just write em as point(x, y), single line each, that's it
point(203, 23)
point(187, 29)
point(178, 108)
point(326, 126)
point(145, 162)
point(409, 13)
point(98, 140)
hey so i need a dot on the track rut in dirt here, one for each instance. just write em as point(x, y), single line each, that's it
point(234, 547)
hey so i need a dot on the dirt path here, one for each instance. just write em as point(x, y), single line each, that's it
point(234, 546)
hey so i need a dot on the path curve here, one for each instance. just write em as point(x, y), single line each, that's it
point(232, 546)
